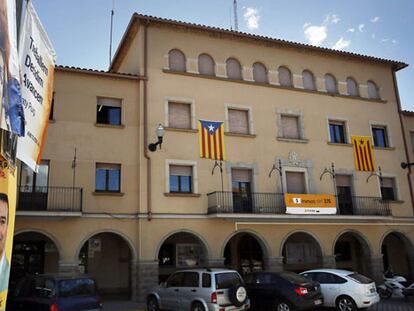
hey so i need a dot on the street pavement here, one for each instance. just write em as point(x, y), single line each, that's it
point(394, 304)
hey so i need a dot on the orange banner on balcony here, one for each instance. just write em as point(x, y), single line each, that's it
point(310, 203)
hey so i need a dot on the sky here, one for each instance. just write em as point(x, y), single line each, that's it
point(79, 29)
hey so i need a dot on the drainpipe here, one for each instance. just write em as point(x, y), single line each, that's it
point(397, 94)
point(146, 155)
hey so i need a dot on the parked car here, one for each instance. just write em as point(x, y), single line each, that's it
point(344, 289)
point(54, 293)
point(282, 291)
point(200, 290)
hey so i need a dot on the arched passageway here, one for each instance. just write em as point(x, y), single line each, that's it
point(301, 251)
point(107, 258)
point(397, 254)
point(244, 253)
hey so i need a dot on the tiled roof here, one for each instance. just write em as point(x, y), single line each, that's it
point(102, 72)
point(397, 64)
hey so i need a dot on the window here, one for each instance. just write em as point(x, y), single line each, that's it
point(179, 115)
point(352, 87)
point(108, 177)
point(108, 111)
point(206, 280)
point(233, 68)
point(290, 126)
point(329, 278)
point(260, 73)
point(379, 134)
point(388, 191)
point(180, 179)
point(191, 279)
point(295, 182)
point(175, 280)
point(308, 80)
point(52, 108)
point(337, 132)
point(34, 182)
point(238, 121)
point(188, 255)
point(373, 92)
point(330, 84)
point(176, 61)
point(285, 77)
point(206, 65)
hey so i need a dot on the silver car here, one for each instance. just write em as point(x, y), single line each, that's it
point(200, 290)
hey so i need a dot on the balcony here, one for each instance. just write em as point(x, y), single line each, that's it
point(49, 199)
point(226, 202)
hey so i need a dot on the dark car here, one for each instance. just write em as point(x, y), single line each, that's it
point(54, 293)
point(283, 291)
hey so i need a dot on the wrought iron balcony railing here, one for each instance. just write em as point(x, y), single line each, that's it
point(51, 199)
point(273, 203)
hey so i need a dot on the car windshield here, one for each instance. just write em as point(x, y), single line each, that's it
point(77, 287)
point(227, 280)
point(294, 278)
point(360, 278)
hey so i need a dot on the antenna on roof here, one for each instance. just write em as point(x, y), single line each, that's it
point(110, 32)
point(236, 22)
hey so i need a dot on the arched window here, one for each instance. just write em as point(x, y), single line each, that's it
point(206, 65)
point(352, 87)
point(233, 68)
point(260, 73)
point(308, 80)
point(176, 60)
point(373, 92)
point(285, 76)
point(330, 84)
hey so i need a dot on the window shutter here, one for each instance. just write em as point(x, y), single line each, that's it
point(330, 84)
point(372, 90)
point(176, 60)
point(259, 73)
point(108, 166)
point(343, 180)
point(110, 102)
point(238, 121)
point(295, 182)
point(290, 127)
point(206, 65)
point(308, 80)
point(285, 77)
point(179, 115)
point(352, 87)
point(233, 69)
point(388, 182)
point(241, 175)
point(181, 170)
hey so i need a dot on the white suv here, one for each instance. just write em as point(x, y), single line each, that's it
point(344, 289)
point(200, 290)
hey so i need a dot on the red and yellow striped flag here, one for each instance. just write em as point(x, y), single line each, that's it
point(212, 140)
point(363, 155)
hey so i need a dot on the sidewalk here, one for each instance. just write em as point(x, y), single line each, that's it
point(122, 305)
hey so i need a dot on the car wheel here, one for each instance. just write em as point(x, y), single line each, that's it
point(152, 304)
point(384, 293)
point(346, 303)
point(238, 295)
point(283, 306)
point(197, 307)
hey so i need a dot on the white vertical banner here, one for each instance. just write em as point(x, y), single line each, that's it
point(37, 65)
point(12, 116)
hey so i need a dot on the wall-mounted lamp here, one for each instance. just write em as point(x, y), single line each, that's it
point(405, 165)
point(160, 135)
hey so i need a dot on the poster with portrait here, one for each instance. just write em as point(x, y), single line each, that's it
point(7, 217)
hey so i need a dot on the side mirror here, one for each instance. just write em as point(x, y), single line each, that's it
point(164, 284)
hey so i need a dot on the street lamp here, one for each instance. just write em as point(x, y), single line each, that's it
point(405, 165)
point(160, 135)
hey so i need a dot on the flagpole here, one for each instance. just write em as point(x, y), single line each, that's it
point(221, 172)
point(73, 179)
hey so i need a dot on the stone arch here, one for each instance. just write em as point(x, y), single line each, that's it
point(261, 240)
point(357, 234)
point(116, 232)
point(299, 231)
point(43, 232)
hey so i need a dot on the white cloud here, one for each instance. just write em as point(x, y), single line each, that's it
point(306, 25)
point(331, 19)
point(394, 41)
point(374, 19)
point(373, 36)
point(351, 30)
point(361, 27)
point(316, 35)
point(383, 40)
point(252, 18)
point(341, 44)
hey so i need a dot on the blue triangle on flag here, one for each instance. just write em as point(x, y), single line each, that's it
point(210, 126)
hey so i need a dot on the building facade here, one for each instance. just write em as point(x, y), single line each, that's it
point(130, 217)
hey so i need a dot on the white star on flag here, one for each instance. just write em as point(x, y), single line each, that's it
point(211, 128)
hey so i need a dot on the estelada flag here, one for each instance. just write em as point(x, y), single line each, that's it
point(212, 140)
point(363, 155)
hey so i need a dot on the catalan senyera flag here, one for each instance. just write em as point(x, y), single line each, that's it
point(363, 155)
point(212, 140)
